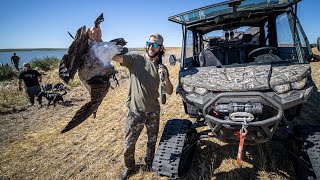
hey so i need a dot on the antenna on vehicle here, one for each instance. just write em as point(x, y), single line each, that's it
point(234, 5)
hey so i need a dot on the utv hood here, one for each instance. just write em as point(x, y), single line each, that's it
point(249, 78)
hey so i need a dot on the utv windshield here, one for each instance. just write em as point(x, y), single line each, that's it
point(268, 38)
point(225, 8)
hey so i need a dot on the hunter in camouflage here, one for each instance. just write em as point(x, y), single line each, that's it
point(142, 100)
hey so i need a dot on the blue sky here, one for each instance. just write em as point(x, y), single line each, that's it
point(44, 23)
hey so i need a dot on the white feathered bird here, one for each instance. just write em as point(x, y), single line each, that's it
point(92, 61)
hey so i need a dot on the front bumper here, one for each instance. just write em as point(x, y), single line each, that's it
point(259, 130)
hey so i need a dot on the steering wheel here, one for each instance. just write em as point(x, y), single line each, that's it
point(268, 49)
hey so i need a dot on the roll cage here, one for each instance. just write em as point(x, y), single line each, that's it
point(239, 13)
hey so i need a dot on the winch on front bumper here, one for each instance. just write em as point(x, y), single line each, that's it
point(227, 113)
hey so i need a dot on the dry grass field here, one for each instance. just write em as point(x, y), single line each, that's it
point(31, 146)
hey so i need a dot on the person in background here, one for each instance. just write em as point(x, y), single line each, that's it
point(31, 79)
point(142, 101)
point(15, 61)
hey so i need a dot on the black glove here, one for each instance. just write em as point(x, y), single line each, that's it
point(121, 42)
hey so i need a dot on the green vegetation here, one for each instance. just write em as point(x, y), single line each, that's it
point(7, 72)
point(45, 63)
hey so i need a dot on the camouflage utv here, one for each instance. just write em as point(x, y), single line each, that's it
point(244, 69)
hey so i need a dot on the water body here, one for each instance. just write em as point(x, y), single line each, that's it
point(27, 56)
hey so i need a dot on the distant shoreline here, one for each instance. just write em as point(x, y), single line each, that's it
point(54, 49)
point(32, 49)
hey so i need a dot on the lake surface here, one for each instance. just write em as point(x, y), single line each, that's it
point(27, 56)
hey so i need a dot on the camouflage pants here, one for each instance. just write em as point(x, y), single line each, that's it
point(134, 125)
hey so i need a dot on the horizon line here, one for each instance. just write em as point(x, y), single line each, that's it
point(23, 49)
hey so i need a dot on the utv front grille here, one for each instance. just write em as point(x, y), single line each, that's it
point(227, 112)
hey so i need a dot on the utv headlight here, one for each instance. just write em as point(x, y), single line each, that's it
point(282, 88)
point(200, 91)
point(299, 84)
point(187, 88)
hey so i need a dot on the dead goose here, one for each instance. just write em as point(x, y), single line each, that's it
point(92, 62)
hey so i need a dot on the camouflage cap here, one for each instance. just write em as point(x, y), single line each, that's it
point(158, 37)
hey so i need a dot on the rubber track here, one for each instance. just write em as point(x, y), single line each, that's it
point(311, 137)
point(167, 158)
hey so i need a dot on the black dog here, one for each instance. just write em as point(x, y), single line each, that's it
point(57, 87)
point(52, 96)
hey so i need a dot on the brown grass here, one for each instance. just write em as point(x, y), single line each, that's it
point(10, 96)
point(31, 146)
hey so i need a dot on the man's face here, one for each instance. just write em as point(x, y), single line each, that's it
point(151, 51)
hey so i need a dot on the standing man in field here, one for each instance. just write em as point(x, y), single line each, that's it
point(15, 61)
point(142, 100)
point(31, 79)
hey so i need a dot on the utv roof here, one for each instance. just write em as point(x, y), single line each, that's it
point(230, 10)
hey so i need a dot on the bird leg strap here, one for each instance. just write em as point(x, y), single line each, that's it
point(112, 72)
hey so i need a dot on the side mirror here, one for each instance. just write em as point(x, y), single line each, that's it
point(172, 60)
point(318, 44)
